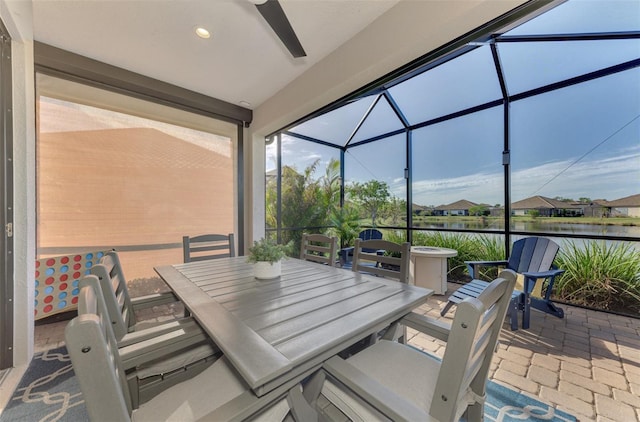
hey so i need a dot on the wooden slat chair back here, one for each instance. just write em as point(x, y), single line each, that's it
point(115, 293)
point(472, 342)
point(398, 382)
point(533, 258)
point(370, 234)
point(217, 393)
point(319, 248)
point(369, 257)
point(121, 307)
point(208, 246)
point(155, 358)
point(94, 355)
point(532, 254)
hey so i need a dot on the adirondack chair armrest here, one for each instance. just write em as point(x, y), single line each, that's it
point(378, 396)
point(543, 274)
point(155, 299)
point(531, 277)
point(431, 327)
point(472, 265)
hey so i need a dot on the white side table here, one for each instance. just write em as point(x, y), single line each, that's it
point(429, 267)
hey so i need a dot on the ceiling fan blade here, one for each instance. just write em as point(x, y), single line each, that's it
point(272, 12)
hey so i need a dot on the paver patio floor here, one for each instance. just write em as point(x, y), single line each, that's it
point(587, 364)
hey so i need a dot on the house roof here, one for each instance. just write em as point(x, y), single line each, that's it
point(462, 204)
point(627, 201)
point(541, 202)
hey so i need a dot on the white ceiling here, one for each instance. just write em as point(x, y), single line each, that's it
point(242, 61)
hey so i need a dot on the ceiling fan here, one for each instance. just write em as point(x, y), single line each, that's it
point(272, 12)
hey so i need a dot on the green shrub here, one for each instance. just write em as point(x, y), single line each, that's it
point(600, 275)
point(459, 242)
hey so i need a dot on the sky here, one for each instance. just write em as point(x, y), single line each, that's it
point(579, 141)
point(64, 116)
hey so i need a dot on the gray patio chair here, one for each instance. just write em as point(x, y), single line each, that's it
point(217, 393)
point(120, 306)
point(399, 382)
point(319, 248)
point(208, 246)
point(533, 258)
point(154, 358)
point(380, 257)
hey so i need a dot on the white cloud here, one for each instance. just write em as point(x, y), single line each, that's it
point(609, 178)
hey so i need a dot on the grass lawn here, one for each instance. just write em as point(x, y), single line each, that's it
point(612, 221)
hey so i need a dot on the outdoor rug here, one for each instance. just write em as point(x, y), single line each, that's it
point(49, 392)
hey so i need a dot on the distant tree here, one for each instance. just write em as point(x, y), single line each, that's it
point(345, 223)
point(370, 196)
point(560, 198)
point(585, 200)
point(534, 213)
point(330, 185)
point(479, 210)
point(303, 202)
point(395, 210)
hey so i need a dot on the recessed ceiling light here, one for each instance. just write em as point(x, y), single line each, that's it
point(202, 33)
point(245, 104)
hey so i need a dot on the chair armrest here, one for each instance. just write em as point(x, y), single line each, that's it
point(472, 265)
point(155, 299)
point(486, 263)
point(393, 406)
point(530, 278)
point(157, 347)
point(155, 331)
point(431, 327)
point(543, 274)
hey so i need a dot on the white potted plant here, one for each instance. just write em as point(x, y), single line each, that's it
point(266, 256)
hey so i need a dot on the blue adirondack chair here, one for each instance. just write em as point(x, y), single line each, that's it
point(346, 254)
point(533, 258)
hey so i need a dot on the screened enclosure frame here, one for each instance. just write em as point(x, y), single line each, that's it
point(491, 35)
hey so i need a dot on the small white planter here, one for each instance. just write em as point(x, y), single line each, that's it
point(263, 270)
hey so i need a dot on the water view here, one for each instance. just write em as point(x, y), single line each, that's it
point(535, 226)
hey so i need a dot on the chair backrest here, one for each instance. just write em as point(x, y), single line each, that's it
point(319, 248)
point(532, 254)
point(208, 246)
point(95, 359)
point(370, 234)
point(367, 252)
point(116, 296)
point(470, 346)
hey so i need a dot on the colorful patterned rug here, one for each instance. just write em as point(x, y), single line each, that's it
point(49, 392)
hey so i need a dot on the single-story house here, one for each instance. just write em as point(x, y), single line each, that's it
point(460, 207)
point(628, 206)
point(547, 207)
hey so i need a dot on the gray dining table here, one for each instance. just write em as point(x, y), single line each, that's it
point(273, 331)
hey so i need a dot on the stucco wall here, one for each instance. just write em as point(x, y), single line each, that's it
point(17, 17)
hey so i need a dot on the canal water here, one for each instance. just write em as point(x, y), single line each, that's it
point(563, 228)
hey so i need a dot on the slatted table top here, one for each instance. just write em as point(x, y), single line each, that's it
point(274, 330)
